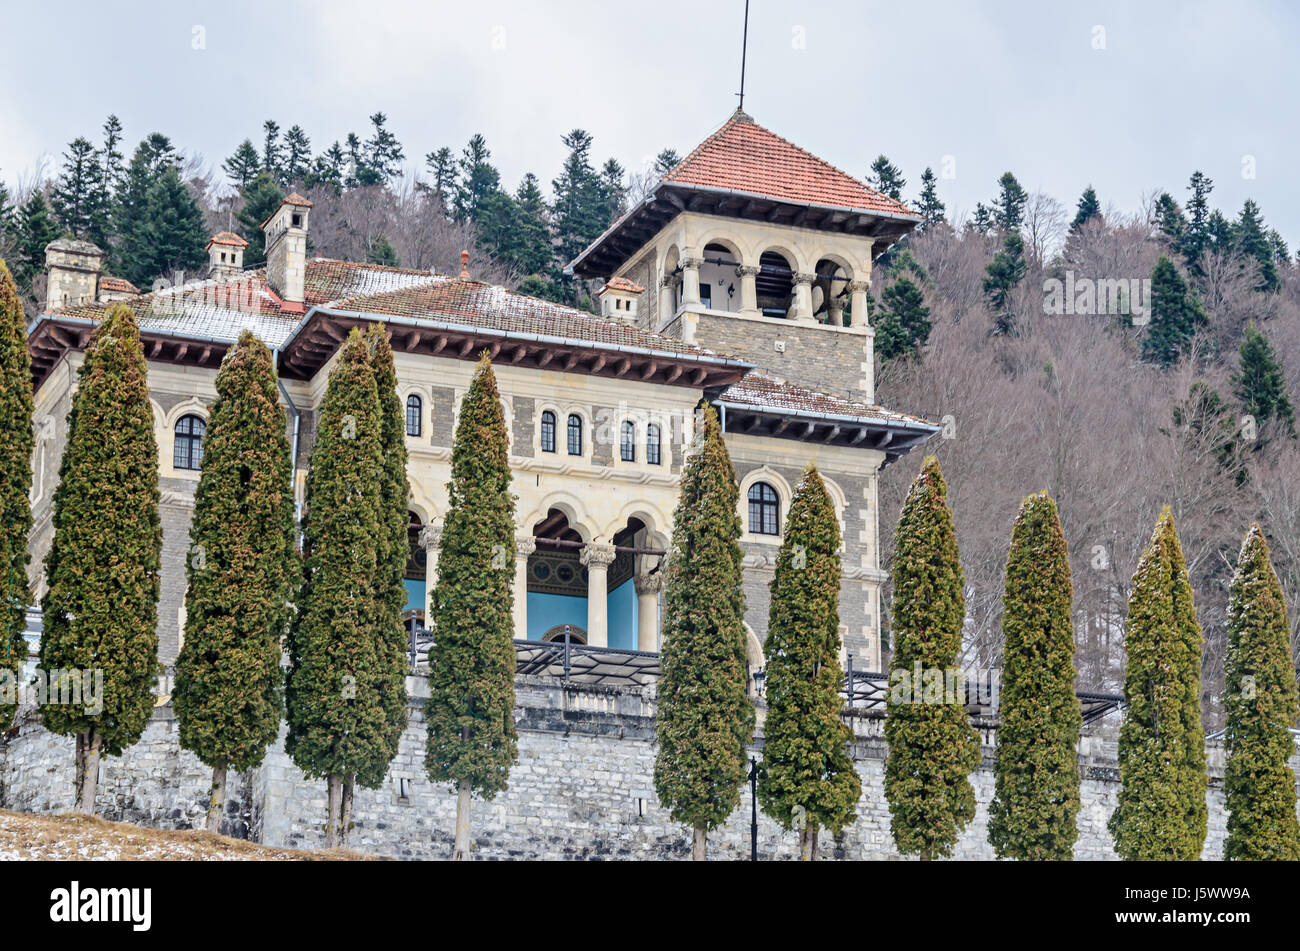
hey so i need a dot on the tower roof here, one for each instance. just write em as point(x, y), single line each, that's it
point(744, 170)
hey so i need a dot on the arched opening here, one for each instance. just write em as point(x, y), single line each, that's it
point(719, 284)
point(417, 562)
point(774, 284)
point(187, 452)
point(830, 293)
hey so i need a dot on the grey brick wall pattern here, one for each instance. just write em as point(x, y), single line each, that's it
point(523, 409)
point(442, 424)
point(582, 789)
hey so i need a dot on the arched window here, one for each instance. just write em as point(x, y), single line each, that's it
point(652, 453)
point(548, 431)
point(764, 510)
point(187, 451)
point(627, 441)
point(414, 415)
point(575, 434)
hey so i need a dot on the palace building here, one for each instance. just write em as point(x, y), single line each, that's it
point(740, 280)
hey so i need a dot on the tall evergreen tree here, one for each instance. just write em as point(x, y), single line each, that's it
point(807, 780)
point(34, 228)
point(1088, 208)
point(132, 255)
point(705, 717)
point(1004, 272)
point(101, 605)
point(1009, 209)
point(243, 165)
point(392, 550)
point(887, 178)
point(1281, 253)
point(1260, 385)
point(932, 747)
point(338, 666)
point(297, 155)
point(272, 150)
point(16, 444)
point(77, 194)
point(903, 323)
point(175, 232)
point(328, 169)
point(478, 179)
point(1176, 315)
point(579, 211)
point(472, 741)
point(1036, 792)
point(261, 198)
point(1161, 812)
point(442, 166)
point(931, 208)
point(665, 162)
point(1253, 241)
point(383, 153)
point(1169, 220)
point(1261, 703)
point(241, 575)
point(532, 226)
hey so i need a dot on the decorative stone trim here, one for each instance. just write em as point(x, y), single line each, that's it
point(598, 555)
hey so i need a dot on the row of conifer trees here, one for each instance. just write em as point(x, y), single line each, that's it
point(336, 609)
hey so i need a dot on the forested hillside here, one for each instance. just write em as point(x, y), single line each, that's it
point(1119, 360)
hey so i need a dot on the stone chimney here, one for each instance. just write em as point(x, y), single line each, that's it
point(226, 255)
point(286, 251)
point(72, 273)
point(618, 300)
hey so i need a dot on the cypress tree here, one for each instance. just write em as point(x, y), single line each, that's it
point(1176, 314)
point(241, 573)
point(1036, 796)
point(15, 481)
point(392, 550)
point(1261, 702)
point(932, 746)
point(1161, 812)
point(807, 780)
point(102, 569)
point(1260, 384)
point(470, 711)
point(705, 717)
point(338, 667)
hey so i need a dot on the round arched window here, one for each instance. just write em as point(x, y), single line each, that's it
point(764, 510)
point(187, 451)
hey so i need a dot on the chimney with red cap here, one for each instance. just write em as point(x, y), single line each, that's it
point(286, 251)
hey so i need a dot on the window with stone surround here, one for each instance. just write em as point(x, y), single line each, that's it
point(764, 510)
point(187, 450)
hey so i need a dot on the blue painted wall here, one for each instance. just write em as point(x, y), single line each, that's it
point(546, 611)
point(415, 596)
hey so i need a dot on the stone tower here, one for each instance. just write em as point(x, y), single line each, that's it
point(72, 273)
point(226, 255)
point(286, 251)
point(755, 248)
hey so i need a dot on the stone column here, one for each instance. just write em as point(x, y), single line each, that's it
point(667, 301)
point(598, 556)
point(430, 539)
point(525, 545)
point(858, 302)
point(748, 290)
point(648, 587)
point(834, 304)
point(691, 281)
point(803, 297)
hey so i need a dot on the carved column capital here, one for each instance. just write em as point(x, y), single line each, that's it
point(649, 583)
point(692, 262)
point(855, 286)
point(747, 270)
point(430, 537)
point(803, 277)
point(667, 280)
point(598, 555)
point(525, 545)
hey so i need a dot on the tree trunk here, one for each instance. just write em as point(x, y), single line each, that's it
point(699, 844)
point(89, 746)
point(345, 816)
point(217, 800)
point(461, 851)
point(334, 784)
point(808, 842)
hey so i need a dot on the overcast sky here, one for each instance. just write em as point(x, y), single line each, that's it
point(1128, 97)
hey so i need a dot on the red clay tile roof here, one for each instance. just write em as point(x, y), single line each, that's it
point(227, 238)
point(761, 390)
point(623, 284)
point(743, 156)
point(296, 199)
point(117, 285)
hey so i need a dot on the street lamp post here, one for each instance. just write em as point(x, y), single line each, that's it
point(753, 805)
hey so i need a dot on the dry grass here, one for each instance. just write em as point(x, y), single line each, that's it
point(24, 836)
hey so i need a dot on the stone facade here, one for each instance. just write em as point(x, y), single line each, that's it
point(582, 789)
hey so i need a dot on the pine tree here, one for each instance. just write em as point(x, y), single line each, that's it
point(328, 169)
point(1261, 703)
point(34, 228)
point(442, 166)
point(1260, 385)
point(472, 741)
point(931, 208)
point(1161, 812)
point(887, 178)
point(478, 178)
point(243, 165)
point(261, 198)
point(1036, 798)
point(932, 747)
point(132, 255)
point(338, 664)
point(78, 192)
point(175, 231)
point(1252, 241)
point(532, 227)
point(272, 150)
point(1169, 220)
point(383, 153)
point(241, 575)
point(807, 780)
point(1004, 272)
point(382, 252)
point(705, 719)
point(1088, 208)
point(15, 480)
point(1176, 314)
point(392, 550)
point(100, 607)
point(1196, 235)
point(1009, 210)
point(297, 155)
point(903, 324)
point(665, 162)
